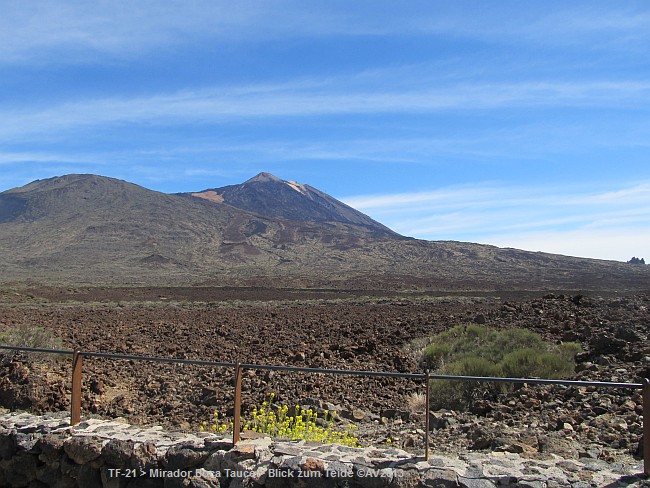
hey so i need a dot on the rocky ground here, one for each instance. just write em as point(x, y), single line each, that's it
point(343, 330)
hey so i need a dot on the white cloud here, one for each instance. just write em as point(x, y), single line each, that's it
point(636, 194)
point(580, 221)
point(87, 31)
point(618, 243)
point(73, 31)
point(8, 158)
point(308, 98)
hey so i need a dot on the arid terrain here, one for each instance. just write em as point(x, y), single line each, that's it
point(332, 329)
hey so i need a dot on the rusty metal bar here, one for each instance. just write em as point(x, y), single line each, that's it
point(75, 412)
point(236, 429)
point(537, 381)
point(646, 426)
point(298, 369)
point(37, 349)
point(75, 401)
point(195, 362)
point(268, 367)
point(426, 416)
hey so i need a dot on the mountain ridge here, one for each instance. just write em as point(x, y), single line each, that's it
point(94, 229)
point(270, 196)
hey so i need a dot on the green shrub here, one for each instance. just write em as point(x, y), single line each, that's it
point(569, 350)
point(456, 394)
point(526, 363)
point(474, 350)
point(30, 336)
point(436, 354)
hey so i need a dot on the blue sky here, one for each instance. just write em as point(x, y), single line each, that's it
point(519, 124)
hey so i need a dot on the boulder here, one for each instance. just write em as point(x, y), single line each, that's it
point(83, 449)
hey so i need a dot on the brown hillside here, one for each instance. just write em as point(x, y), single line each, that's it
point(93, 229)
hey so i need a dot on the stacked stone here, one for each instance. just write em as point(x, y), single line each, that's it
point(39, 451)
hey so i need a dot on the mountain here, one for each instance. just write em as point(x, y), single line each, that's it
point(272, 197)
point(78, 229)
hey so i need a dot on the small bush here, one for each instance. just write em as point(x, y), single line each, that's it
point(526, 363)
point(435, 354)
point(416, 402)
point(30, 336)
point(474, 350)
point(458, 394)
point(569, 350)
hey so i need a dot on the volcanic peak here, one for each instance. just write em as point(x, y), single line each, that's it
point(263, 177)
point(271, 197)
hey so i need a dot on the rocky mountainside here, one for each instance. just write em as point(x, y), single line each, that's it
point(265, 232)
point(272, 197)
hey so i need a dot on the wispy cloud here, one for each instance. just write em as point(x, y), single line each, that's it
point(637, 194)
point(486, 195)
point(620, 243)
point(9, 158)
point(81, 31)
point(523, 217)
point(300, 99)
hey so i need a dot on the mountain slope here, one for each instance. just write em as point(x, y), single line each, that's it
point(84, 222)
point(93, 229)
point(272, 197)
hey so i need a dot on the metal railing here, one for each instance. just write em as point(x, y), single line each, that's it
point(77, 364)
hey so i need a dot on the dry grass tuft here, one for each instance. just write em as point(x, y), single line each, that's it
point(417, 402)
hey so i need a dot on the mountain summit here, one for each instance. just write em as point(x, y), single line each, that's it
point(271, 197)
point(263, 177)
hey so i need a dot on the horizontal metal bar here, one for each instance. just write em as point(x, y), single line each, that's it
point(36, 349)
point(539, 381)
point(156, 359)
point(297, 369)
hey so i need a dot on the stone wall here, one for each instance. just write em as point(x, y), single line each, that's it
point(39, 451)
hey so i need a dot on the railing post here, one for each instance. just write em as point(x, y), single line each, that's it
point(426, 416)
point(646, 426)
point(236, 428)
point(75, 401)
